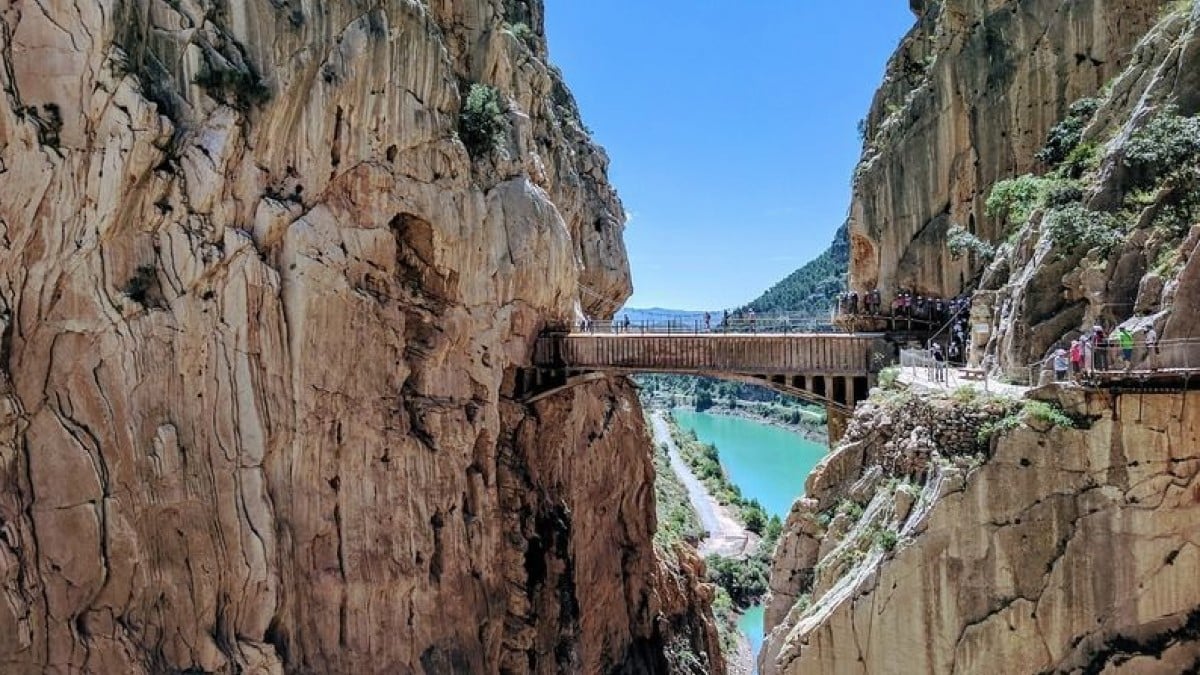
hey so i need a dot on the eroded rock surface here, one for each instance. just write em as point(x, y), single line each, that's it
point(1065, 550)
point(260, 312)
point(967, 100)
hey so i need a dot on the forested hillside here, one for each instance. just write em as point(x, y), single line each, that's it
point(811, 288)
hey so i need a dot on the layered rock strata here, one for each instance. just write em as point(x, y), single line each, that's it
point(1056, 550)
point(260, 314)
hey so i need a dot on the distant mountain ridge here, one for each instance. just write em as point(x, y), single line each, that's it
point(663, 315)
point(814, 287)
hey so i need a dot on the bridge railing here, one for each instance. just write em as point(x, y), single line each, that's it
point(785, 324)
point(1167, 358)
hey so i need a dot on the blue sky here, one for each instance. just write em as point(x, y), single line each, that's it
point(731, 127)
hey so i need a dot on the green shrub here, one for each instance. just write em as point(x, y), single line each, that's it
point(1063, 193)
point(1180, 209)
point(997, 427)
point(961, 242)
point(1064, 137)
point(886, 539)
point(522, 32)
point(1076, 227)
point(754, 517)
point(1047, 413)
point(744, 580)
point(481, 123)
point(1165, 145)
point(965, 395)
point(1038, 410)
point(889, 376)
point(850, 508)
point(1084, 158)
point(1015, 199)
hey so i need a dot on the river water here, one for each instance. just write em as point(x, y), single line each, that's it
point(768, 463)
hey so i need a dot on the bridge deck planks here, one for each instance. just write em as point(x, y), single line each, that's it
point(760, 354)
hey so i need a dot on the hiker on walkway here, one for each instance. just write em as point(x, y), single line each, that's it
point(1060, 360)
point(953, 354)
point(750, 313)
point(1089, 354)
point(1125, 339)
point(1099, 347)
point(1152, 348)
point(1076, 355)
point(707, 322)
point(939, 362)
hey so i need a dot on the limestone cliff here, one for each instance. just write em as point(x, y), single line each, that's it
point(266, 272)
point(958, 533)
point(1047, 549)
point(1111, 241)
point(967, 100)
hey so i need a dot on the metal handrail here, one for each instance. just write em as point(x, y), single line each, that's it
point(950, 322)
point(1179, 356)
point(780, 323)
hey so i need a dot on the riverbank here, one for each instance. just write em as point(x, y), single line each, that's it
point(809, 431)
point(726, 536)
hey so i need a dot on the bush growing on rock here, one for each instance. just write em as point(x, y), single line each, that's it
point(1065, 136)
point(889, 376)
point(1039, 411)
point(886, 539)
point(1168, 145)
point(1076, 227)
point(960, 242)
point(1048, 414)
point(1015, 199)
point(481, 123)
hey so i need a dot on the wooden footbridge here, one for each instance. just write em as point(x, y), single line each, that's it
point(833, 369)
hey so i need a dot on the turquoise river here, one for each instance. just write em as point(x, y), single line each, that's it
point(766, 462)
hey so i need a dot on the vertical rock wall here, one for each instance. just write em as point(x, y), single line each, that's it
point(260, 310)
point(967, 100)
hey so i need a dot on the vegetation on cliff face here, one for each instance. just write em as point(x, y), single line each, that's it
point(993, 510)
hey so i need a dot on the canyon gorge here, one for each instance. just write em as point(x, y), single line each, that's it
point(269, 273)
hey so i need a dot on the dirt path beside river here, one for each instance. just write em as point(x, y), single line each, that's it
point(726, 536)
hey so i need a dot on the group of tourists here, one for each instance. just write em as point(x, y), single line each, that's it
point(906, 304)
point(1096, 351)
point(869, 304)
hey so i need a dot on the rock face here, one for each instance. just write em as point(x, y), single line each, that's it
point(1060, 545)
point(1065, 550)
point(260, 313)
point(1042, 291)
point(968, 99)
